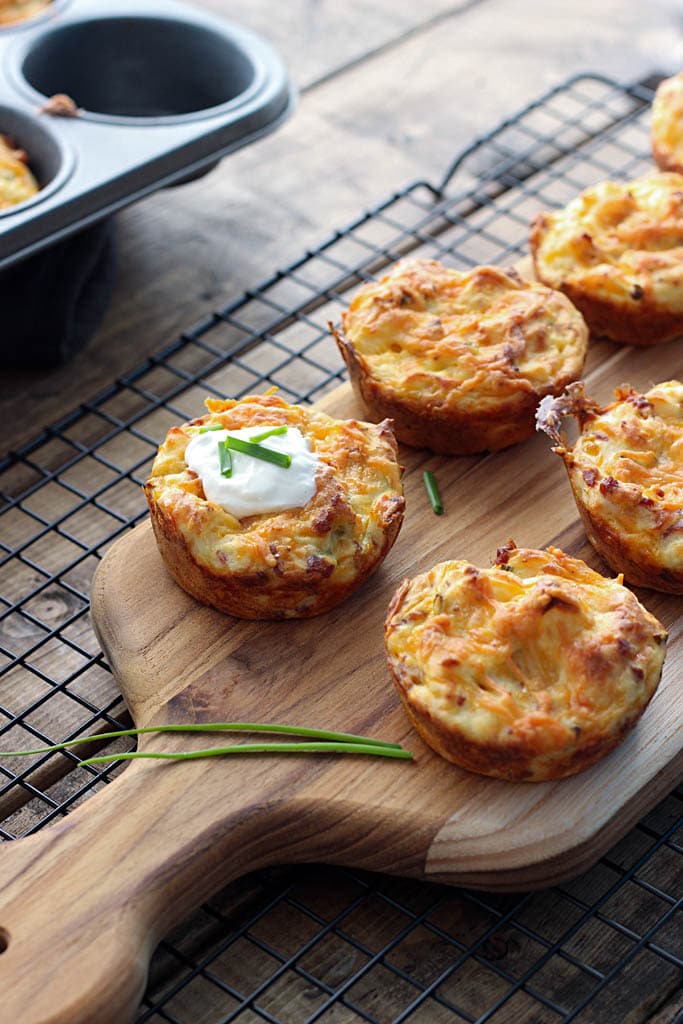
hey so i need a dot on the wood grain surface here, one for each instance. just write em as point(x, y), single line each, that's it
point(138, 857)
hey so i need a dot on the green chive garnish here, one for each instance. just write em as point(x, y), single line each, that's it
point(257, 452)
point(211, 426)
point(273, 432)
point(267, 727)
point(433, 492)
point(371, 749)
point(224, 459)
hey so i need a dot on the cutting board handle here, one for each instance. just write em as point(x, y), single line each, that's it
point(84, 902)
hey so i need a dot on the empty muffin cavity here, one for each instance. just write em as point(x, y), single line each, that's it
point(139, 68)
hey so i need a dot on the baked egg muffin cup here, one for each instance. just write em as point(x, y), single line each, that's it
point(626, 472)
point(531, 670)
point(291, 564)
point(459, 361)
point(667, 124)
point(17, 183)
point(616, 251)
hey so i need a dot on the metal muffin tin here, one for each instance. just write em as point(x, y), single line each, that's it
point(164, 90)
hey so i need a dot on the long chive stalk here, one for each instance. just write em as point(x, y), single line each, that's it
point(274, 728)
point(371, 749)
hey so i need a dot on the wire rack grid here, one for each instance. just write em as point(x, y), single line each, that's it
point(305, 944)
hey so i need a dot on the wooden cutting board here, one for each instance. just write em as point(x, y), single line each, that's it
point(85, 901)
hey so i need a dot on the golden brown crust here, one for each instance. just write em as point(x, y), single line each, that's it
point(291, 564)
point(617, 252)
point(459, 361)
point(639, 568)
point(532, 670)
point(440, 429)
point(667, 124)
point(626, 473)
point(646, 325)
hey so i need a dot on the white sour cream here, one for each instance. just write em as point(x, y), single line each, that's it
point(255, 487)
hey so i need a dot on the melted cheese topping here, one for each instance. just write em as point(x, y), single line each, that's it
point(628, 466)
point(639, 441)
point(540, 654)
point(16, 180)
point(18, 10)
point(618, 241)
point(463, 339)
point(667, 124)
point(254, 486)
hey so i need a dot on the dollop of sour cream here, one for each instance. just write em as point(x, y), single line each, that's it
point(255, 487)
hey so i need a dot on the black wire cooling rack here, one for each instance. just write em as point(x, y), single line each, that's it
point(305, 944)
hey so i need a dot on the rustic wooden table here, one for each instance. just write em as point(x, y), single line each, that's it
point(389, 91)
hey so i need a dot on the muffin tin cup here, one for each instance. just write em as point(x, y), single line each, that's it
point(139, 71)
point(163, 91)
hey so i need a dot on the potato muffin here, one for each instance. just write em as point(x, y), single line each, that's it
point(626, 472)
point(12, 11)
point(531, 670)
point(458, 360)
point(17, 183)
point(667, 124)
point(294, 562)
point(617, 252)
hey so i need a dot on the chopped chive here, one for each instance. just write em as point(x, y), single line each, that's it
point(274, 728)
point(257, 452)
point(257, 748)
point(432, 489)
point(273, 432)
point(224, 459)
point(211, 426)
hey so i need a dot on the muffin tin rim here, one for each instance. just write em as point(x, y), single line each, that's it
point(15, 58)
